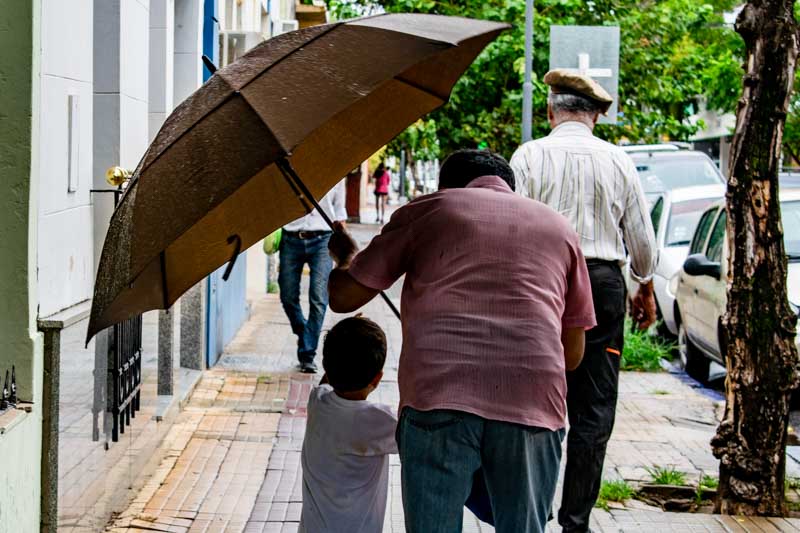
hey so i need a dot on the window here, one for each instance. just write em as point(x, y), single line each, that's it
point(659, 174)
point(702, 231)
point(655, 213)
point(683, 217)
point(717, 239)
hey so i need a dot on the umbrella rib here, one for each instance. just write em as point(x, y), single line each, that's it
point(419, 87)
point(237, 92)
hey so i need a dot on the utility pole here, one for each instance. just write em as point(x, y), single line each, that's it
point(527, 86)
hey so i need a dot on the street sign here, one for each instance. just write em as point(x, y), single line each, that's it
point(590, 50)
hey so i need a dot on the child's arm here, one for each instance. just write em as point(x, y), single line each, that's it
point(382, 425)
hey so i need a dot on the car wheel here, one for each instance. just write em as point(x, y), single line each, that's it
point(691, 360)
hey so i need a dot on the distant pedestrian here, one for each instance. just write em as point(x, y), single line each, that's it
point(495, 301)
point(305, 242)
point(348, 439)
point(382, 179)
point(594, 184)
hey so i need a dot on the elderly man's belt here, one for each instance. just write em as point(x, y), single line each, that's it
point(306, 234)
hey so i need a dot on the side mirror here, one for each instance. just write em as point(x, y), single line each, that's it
point(699, 265)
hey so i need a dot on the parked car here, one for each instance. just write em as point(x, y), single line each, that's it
point(700, 285)
point(675, 215)
point(665, 167)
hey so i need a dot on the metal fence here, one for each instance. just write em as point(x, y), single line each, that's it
point(124, 373)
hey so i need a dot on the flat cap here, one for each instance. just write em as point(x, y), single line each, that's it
point(566, 81)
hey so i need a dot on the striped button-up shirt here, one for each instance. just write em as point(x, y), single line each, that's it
point(594, 184)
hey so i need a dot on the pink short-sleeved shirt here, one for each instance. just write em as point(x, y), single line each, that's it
point(491, 279)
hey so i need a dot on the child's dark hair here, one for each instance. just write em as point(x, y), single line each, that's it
point(353, 354)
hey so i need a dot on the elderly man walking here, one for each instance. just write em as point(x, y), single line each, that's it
point(495, 302)
point(594, 184)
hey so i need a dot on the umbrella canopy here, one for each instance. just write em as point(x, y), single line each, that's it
point(322, 99)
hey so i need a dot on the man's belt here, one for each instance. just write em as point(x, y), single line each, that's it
point(601, 262)
point(306, 234)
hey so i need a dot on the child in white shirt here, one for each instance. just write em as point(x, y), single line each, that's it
point(348, 439)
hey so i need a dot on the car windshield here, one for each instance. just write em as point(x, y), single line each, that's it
point(661, 175)
point(683, 219)
point(790, 215)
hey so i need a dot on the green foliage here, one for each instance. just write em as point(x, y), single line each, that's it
point(706, 483)
point(643, 352)
point(791, 133)
point(613, 491)
point(420, 142)
point(709, 482)
point(666, 475)
point(671, 52)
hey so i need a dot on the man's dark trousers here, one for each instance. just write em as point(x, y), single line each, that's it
point(592, 397)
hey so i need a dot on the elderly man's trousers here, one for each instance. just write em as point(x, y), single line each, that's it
point(592, 398)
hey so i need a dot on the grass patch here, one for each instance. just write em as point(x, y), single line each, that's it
point(709, 482)
point(792, 483)
point(706, 482)
point(265, 378)
point(613, 491)
point(666, 475)
point(660, 392)
point(272, 287)
point(643, 352)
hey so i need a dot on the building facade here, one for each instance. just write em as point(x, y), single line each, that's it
point(86, 86)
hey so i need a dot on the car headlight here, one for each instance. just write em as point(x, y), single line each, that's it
point(672, 286)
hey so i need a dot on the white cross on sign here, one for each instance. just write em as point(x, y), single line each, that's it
point(594, 50)
point(583, 68)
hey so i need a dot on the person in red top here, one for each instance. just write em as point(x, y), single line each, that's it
point(382, 179)
point(495, 302)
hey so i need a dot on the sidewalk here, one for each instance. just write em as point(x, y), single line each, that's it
point(233, 461)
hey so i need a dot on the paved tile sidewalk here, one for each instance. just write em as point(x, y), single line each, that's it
point(234, 456)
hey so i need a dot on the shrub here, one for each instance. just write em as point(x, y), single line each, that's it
point(666, 475)
point(613, 491)
point(643, 352)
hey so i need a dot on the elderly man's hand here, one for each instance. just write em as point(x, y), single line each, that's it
point(643, 306)
point(341, 245)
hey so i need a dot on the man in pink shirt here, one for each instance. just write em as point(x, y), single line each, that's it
point(495, 302)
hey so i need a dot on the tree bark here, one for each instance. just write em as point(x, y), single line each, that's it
point(760, 325)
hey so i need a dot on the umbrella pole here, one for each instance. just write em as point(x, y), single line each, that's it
point(305, 197)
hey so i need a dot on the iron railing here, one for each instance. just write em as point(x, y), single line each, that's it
point(124, 373)
point(8, 399)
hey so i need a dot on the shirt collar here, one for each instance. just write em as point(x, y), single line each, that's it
point(572, 127)
point(496, 183)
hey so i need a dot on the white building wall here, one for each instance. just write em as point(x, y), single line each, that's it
point(65, 247)
point(133, 83)
point(162, 59)
point(188, 48)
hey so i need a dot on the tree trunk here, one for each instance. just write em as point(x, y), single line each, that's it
point(761, 356)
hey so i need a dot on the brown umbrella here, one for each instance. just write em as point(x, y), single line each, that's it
point(223, 171)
